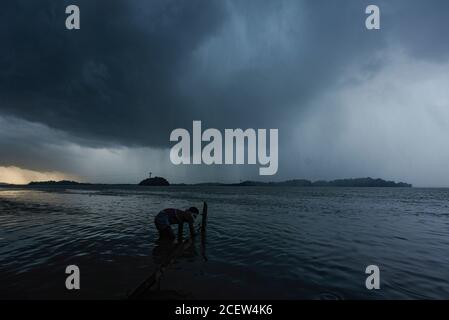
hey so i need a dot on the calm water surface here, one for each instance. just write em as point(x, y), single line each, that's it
point(262, 242)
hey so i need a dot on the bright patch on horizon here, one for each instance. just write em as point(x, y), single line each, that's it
point(16, 175)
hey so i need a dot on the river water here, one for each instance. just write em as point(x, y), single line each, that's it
point(262, 242)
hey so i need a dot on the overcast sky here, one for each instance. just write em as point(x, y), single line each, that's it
point(98, 104)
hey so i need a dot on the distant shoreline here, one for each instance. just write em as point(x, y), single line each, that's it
point(349, 183)
point(355, 182)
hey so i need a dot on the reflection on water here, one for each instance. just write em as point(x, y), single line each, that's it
point(311, 243)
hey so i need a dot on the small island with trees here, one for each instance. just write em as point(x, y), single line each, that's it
point(155, 182)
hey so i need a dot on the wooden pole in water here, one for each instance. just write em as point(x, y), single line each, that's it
point(204, 221)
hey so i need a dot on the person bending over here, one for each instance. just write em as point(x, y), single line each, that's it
point(170, 216)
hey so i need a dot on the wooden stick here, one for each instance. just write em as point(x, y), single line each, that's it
point(204, 221)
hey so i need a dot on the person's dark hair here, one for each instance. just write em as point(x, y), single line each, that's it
point(194, 210)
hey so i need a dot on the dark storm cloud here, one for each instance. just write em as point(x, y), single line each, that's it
point(32, 146)
point(136, 70)
point(115, 79)
point(422, 27)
